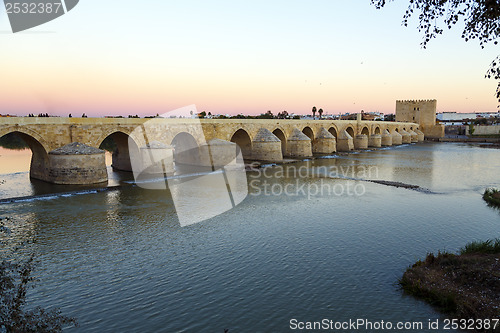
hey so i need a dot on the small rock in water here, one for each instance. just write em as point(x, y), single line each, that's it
point(4, 229)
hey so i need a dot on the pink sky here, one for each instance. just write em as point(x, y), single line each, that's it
point(352, 57)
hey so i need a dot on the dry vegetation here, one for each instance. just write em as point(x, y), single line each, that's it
point(464, 286)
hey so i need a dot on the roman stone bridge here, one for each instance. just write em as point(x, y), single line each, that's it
point(65, 150)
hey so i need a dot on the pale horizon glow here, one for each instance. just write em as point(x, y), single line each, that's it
point(230, 57)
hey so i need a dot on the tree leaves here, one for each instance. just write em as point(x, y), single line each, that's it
point(15, 278)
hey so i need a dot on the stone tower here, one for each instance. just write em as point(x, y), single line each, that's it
point(422, 112)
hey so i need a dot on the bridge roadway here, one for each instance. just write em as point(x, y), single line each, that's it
point(184, 141)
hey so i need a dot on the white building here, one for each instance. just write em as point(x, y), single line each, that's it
point(460, 117)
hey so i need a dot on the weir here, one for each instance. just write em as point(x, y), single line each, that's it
point(324, 143)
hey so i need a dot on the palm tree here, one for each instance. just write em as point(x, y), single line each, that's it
point(314, 112)
point(320, 112)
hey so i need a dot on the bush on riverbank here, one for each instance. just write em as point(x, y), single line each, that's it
point(465, 286)
point(13, 141)
point(492, 196)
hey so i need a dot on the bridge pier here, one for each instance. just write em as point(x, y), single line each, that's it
point(77, 164)
point(39, 167)
point(386, 138)
point(121, 161)
point(420, 134)
point(266, 147)
point(157, 159)
point(218, 153)
point(324, 143)
point(121, 155)
point(345, 141)
point(414, 136)
point(375, 140)
point(299, 144)
point(361, 141)
point(406, 137)
point(397, 139)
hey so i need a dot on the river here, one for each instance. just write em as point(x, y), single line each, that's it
point(119, 261)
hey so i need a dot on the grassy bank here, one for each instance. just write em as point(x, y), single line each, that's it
point(492, 197)
point(464, 285)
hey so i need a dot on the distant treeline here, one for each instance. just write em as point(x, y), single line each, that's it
point(13, 141)
point(108, 144)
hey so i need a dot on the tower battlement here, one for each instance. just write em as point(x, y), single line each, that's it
point(416, 100)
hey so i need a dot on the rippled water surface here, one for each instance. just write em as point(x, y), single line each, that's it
point(119, 260)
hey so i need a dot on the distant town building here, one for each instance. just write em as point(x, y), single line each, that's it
point(364, 116)
point(390, 117)
point(457, 118)
point(348, 116)
point(372, 115)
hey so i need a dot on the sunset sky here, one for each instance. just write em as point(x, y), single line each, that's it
point(147, 57)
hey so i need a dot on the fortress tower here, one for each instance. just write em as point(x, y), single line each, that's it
point(422, 112)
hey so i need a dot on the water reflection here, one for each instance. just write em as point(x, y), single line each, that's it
point(120, 261)
point(416, 163)
point(18, 160)
point(12, 161)
point(16, 182)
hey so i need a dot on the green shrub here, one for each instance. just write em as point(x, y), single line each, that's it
point(471, 129)
point(491, 246)
point(492, 196)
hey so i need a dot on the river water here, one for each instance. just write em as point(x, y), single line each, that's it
point(119, 261)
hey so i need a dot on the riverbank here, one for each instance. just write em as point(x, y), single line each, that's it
point(469, 139)
point(464, 286)
point(493, 145)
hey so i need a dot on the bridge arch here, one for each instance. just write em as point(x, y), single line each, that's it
point(365, 131)
point(27, 132)
point(280, 134)
point(39, 165)
point(376, 130)
point(350, 131)
point(97, 142)
point(309, 132)
point(333, 131)
point(186, 149)
point(243, 140)
point(119, 144)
